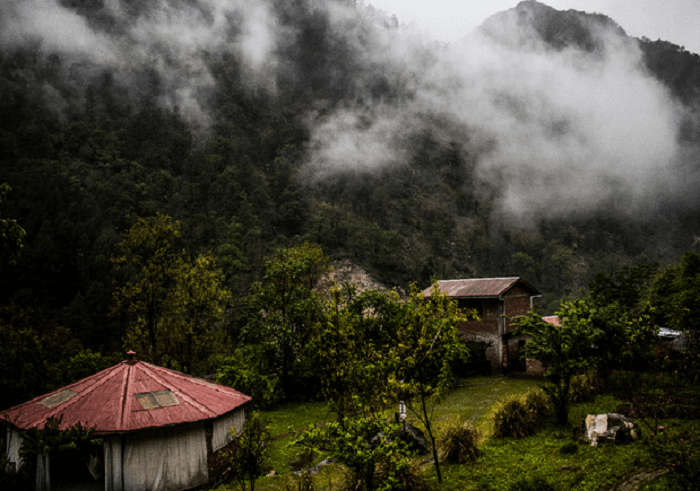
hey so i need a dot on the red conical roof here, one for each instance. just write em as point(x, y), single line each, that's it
point(131, 395)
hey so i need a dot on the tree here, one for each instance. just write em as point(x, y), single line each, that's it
point(11, 233)
point(288, 312)
point(358, 332)
point(198, 305)
point(686, 303)
point(249, 451)
point(427, 344)
point(564, 350)
point(675, 296)
point(171, 305)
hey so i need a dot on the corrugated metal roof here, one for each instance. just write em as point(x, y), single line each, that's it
point(478, 287)
point(109, 400)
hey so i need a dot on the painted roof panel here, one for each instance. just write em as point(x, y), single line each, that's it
point(478, 287)
point(108, 400)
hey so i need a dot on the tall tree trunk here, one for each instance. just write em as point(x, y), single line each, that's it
point(429, 429)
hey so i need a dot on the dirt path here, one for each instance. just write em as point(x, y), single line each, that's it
point(637, 480)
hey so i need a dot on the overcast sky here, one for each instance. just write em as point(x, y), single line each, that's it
point(677, 21)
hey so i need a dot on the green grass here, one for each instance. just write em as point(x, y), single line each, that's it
point(504, 463)
point(475, 399)
point(286, 424)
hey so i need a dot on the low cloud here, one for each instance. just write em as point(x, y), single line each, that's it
point(558, 131)
point(566, 131)
point(172, 37)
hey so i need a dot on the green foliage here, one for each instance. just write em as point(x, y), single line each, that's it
point(459, 443)
point(287, 316)
point(11, 233)
point(51, 439)
point(584, 387)
point(677, 450)
point(564, 350)
point(172, 308)
point(241, 372)
point(249, 452)
point(83, 364)
point(34, 354)
point(358, 334)
point(370, 448)
point(427, 345)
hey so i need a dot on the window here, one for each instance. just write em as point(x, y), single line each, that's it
point(59, 397)
point(154, 400)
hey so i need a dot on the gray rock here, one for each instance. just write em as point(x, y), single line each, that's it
point(610, 427)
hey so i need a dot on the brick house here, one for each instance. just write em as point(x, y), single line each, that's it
point(496, 301)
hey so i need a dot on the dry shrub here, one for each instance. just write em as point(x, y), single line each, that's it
point(459, 444)
point(521, 415)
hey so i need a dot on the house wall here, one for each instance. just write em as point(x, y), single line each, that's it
point(493, 322)
point(221, 435)
point(13, 443)
point(485, 329)
point(169, 459)
point(516, 302)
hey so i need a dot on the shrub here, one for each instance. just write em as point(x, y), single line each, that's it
point(459, 444)
point(512, 418)
point(404, 476)
point(249, 452)
point(583, 387)
point(520, 415)
point(370, 449)
point(539, 404)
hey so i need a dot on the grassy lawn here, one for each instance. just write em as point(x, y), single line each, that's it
point(504, 463)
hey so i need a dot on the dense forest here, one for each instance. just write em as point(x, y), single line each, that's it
point(187, 131)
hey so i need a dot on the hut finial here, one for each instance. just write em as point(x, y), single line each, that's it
point(130, 356)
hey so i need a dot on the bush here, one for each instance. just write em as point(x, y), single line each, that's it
point(370, 449)
point(404, 476)
point(539, 405)
point(249, 452)
point(583, 387)
point(521, 415)
point(238, 373)
point(513, 419)
point(459, 444)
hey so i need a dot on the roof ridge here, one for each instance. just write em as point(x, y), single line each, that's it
point(202, 408)
point(123, 399)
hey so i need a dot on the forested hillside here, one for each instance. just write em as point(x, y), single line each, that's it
point(326, 122)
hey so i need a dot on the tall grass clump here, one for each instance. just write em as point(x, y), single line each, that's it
point(459, 444)
point(521, 415)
